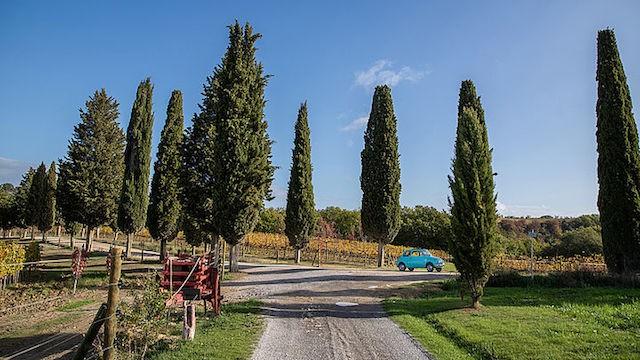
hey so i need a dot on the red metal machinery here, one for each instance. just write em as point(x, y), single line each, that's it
point(192, 278)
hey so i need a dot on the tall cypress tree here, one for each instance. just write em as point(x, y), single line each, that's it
point(37, 198)
point(380, 178)
point(229, 138)
point(473, 200)
point(164, 205)
point(91, 172)
point(300, 212)
point(47, 214)
point(134, 199)
point(618, 161)
point(21, 203)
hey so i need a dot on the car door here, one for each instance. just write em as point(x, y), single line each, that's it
point(415, 259)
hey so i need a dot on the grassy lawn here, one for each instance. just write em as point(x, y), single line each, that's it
point(524, 323)
point(233, 335)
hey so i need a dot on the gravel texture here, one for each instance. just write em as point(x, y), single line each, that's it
point(304, 322)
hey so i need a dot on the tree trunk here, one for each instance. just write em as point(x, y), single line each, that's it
point(98, 233)
point(24, 234)
point(32, 232)
point(233, 258)
point(475, 301)
point(44, 236)
point(71, 240)
point(163, 249)
point(10, 232)
point(193, 250)
point(115, 238)
point(380, 253)
point(298, 253)
point(83, 234)
point(128, 246)
point(58, 231)
point(89, 239)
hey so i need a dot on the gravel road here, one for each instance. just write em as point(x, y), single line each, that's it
point(327, 313)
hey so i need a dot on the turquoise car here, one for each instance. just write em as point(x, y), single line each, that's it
point(419, 258)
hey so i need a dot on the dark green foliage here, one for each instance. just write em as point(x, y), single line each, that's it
point(342, 223)
point(90, 176)
point(21, 203)
point(37, 194)
point(563, 280)
point(42, 198)
point(228, 169)
point(194, 234)
point(584, 241)
point(473, 201)
point(380, 178)
point(7, 207)
point(618, 161)
point(164, 205)
point(300, 212)
point(47, 216)
point(424, 227)
point(271, 221)
point(134, 199)
point(581, 221)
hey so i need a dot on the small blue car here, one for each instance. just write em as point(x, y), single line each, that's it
point(419, 258)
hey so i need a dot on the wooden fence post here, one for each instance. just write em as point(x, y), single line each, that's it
point(91, 334)
point(112, 303)
point(189, 322)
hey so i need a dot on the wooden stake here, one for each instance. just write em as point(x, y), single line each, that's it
point(92, 332)
point(112, 303)
point(189, 323)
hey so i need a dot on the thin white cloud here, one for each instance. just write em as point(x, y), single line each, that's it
point(383, 72)
point(522, 210)
point(355, 124)
point(11, 170)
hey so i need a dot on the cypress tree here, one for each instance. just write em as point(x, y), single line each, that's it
point(473, 200)
point(91, 172)
point(37, 195)
point(229, 143)
point(380, 178)
point(300, 211)
point(618, 161)
point(21, 203)
point(134, 199)
point(47, 214)
point(164, 205)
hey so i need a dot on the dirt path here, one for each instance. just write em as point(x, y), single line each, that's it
point(327, 313)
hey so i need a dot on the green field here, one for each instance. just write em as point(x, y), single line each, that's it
point(524, 323)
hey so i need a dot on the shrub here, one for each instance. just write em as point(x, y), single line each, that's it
point(11, 253)
point(271, 221)
point(425, 227)
point(143, 321)
point(573, 279)
point(33, 252)
point(584, 241)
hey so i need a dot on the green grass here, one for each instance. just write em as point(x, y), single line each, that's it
point(233, 335)
point(74, 305)
point(525, 323)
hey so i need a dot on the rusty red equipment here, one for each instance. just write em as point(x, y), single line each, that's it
point(192, 278)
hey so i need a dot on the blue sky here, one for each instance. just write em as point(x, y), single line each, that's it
point(533, 63)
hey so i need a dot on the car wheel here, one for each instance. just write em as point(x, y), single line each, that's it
point(411, 269)
point(402, 267)
point(430, 267)
point(438, 269)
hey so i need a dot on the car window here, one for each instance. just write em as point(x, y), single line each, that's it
point(406, 253)
point(415, 253)
point(426, 253)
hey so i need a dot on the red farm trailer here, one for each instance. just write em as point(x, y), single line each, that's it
point(190, 278)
